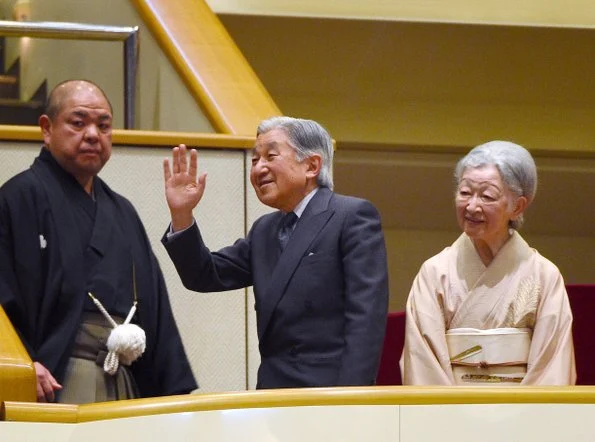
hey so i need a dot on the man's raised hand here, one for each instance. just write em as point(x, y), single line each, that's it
point(183, 190)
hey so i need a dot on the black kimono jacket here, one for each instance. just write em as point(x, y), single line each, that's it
point(46, 272)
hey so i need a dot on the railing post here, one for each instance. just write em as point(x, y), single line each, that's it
point(130, 68)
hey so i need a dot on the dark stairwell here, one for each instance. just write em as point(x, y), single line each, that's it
point(13, 110)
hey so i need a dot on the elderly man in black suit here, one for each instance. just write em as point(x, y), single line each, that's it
point(317, 264)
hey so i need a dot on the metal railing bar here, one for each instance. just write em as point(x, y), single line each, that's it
point(130, 72)
point(67, 31)
point(81, 31)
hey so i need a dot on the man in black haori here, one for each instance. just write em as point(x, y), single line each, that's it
point(75, 262)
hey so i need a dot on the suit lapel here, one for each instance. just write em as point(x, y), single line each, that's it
point(309, 225)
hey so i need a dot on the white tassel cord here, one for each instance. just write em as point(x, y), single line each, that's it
point(126, 341)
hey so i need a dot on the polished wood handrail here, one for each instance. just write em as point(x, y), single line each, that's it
point(17, 374)
point(301, 397)
point(210, 63)
point(143, 138)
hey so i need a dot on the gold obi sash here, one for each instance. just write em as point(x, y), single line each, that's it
point(495, 357)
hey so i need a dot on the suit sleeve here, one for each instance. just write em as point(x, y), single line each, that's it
point(204, 271)
point(366, 294)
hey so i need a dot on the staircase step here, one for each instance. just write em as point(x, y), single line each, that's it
point(9, 86)
point(8, 79)
point(14, 111)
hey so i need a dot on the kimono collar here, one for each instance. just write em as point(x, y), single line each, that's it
point(65, 178)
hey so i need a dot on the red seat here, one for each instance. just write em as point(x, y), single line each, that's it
point(582, 303)
point(389, 372)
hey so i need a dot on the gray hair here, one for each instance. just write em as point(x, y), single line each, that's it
point(515, 164)
point(307, 138)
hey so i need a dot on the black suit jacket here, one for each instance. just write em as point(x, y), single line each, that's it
point(321, 304)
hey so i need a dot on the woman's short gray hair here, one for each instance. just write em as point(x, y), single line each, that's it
point(306, 137)
point(515, 164)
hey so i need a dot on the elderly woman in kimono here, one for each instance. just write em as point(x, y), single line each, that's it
point(490, 309)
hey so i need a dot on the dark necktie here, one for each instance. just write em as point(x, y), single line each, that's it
point(286, 228)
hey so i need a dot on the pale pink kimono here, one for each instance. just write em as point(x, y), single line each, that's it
point(520, 289)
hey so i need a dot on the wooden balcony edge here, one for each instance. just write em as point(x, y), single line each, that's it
point(224, 141)
point(143, 138)
point(385, 395)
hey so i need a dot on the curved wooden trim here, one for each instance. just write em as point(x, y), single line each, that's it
point(39, 412)
point(143, 138)
point(16, 411)
point(498, 12)
point(193, 139)
point(17, 374)
point(588, 152)
point(20, 133)
point(170, 139)
point(209, 62)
